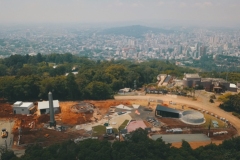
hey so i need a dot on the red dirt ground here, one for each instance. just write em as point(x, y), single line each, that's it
point(5, 110)
point(47, 137)
point(174, 123)
point(195, 145)
point(68, 117)
point(37, 132)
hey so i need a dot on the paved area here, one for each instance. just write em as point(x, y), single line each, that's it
point(115, 121)
point(9, 140)
point(171, 138)
point(202, 103)
point(135, 125)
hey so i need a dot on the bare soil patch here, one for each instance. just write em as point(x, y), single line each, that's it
point(195, 145)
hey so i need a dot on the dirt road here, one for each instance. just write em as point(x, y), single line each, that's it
point(201, 103)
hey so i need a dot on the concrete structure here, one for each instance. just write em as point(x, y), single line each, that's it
point(233, 87)
point(43, 107)
point(171, 138)
point(192, 77)
point(161, 78)
point(164, 79)
point(167, 112)
point(207, 84)
point(20, 107)
point(167, 80)
point(52, 121)
point(192, 117)
point(133, 125)
point(238, 85)
point(191, 80)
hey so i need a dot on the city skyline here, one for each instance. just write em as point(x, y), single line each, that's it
point(220, 13)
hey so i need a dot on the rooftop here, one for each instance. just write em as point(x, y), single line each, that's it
point(233, 85)
point(26, 104)
point(167, 79)
point(23, 104)
point(213, 79)
point(162, 108)
point(196, 75)
point(18, 103)
point(45, 104)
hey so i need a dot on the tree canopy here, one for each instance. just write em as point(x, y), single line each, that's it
point(32, 77)
point(138, 146)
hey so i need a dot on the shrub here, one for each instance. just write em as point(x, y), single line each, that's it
point(236, 114)
point(213, 96)
point(211, 101)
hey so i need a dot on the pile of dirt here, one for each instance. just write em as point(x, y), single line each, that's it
point(174, 123)
point(24, 122)
point(44, 118)
point(46, 137)
point(5, 110)
point(68, 117)
point(71, 118)
point(104, 106)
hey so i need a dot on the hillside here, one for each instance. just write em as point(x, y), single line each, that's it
point(134, 30)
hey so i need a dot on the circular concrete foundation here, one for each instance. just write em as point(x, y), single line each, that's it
point(192, 117)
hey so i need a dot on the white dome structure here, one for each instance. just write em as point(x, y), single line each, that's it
point(192, 117)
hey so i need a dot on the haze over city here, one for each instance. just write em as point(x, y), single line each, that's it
point(220, 13)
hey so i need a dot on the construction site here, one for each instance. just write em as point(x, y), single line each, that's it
point(96, 119)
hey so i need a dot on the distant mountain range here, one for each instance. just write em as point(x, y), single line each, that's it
point(134, 31)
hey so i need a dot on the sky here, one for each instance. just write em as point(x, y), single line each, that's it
point(180, 12)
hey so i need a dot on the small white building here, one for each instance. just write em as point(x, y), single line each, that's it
point(124, 90)
point(20, 107)
point(109, 130)
point(43, 107)
point(233, 87)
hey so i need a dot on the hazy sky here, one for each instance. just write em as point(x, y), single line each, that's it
point(212, 12)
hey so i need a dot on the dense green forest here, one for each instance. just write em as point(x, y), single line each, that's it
point(231, 103)
point(137, 147)
point(32, 77)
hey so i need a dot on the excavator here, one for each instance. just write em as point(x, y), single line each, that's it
point(4, 133)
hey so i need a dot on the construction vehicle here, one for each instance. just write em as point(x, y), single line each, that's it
point(4, 133)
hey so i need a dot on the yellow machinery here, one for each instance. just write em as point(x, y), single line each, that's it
point(4, 133)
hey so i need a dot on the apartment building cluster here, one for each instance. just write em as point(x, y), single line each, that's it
point(180, 44)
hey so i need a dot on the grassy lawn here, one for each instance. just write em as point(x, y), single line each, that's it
point(209, 118)
point(99, 130)
point(115, 130)
point(123, 125)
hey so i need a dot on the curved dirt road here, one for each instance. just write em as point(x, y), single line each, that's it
point(203, 104)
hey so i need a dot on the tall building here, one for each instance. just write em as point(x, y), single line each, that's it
point(216, 40)
point(211, 40)
point(180, 48)
point(203, 50)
